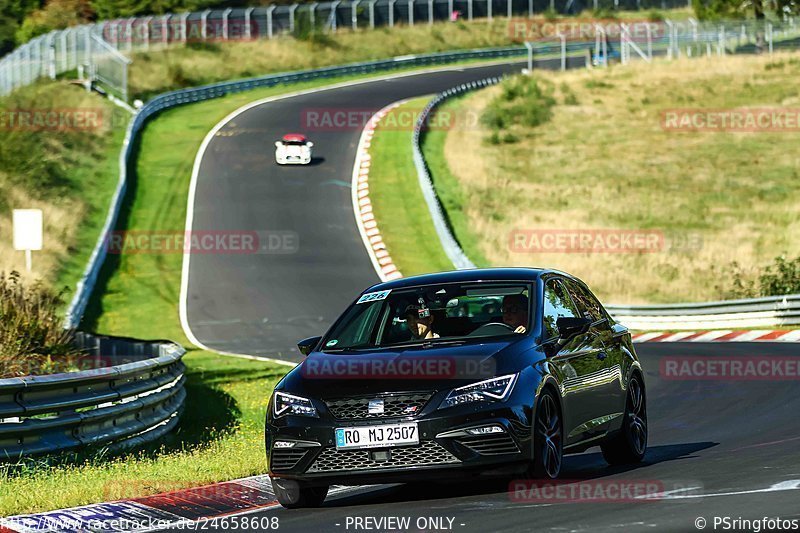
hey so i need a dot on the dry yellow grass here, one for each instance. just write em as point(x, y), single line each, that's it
point(607, 163)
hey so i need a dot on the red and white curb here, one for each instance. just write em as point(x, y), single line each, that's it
point(149, 513)
point(722, 335)
point(362, 205)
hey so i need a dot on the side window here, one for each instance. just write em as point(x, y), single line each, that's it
point(587, 304)
point(557, 303)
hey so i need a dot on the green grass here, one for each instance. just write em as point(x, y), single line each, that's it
point(447, 188)
point(69, 174)
point(605, 161)
point(397, 200)
point(220, 437)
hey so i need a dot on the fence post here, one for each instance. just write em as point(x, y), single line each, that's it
point(372, 14)
point(769, 36)
point(204, 24)
point(449, 9)
point(529, 46)
point(469, 9)
point(508, 9)
point(270, 28)
point(563, 50)
point(489, 9)
point(248, 33)
point(334, 7)
point(410, 12)
point(185, 27)
point(430, 12)
point(530, 8)
point(670, 25)
point(354, 14)
point(292, 16)
point(391, 13)
point(312, 14)
point(225, 15)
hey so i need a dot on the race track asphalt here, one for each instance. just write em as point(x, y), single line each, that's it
point(727, 448)
point(262, 304)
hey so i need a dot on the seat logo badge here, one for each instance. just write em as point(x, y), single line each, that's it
point(375, 407)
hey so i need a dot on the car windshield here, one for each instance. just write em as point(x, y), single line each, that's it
point(433, 314)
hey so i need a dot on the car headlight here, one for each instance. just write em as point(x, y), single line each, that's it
point(495, 389)
point(287, 404)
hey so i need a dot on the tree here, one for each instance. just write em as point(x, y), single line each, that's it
point(55, 15)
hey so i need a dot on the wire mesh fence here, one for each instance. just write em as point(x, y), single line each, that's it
point(86, 49)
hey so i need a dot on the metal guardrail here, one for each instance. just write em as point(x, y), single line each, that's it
point(136, 399)
point(746, 313)
point(168, 100)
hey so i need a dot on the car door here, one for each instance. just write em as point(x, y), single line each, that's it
point(578, 364)
point(609, 394)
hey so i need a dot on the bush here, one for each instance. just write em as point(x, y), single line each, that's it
point(523, 102)
point(32, 339)
point(55, 15)
point(778, 279)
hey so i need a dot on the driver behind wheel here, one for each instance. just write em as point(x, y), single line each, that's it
point(515, 312)
point(420, 321)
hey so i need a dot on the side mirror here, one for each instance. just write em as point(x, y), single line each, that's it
point(278, 144)
point(309, 144)
point(569, 327)
point(306, 346)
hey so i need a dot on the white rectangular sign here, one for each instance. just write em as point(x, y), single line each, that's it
point(27, 229)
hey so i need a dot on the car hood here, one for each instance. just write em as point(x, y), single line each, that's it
point(332, 375)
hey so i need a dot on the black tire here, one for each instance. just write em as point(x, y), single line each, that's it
point(548, 442)
point(629, 445)
point(292, 495)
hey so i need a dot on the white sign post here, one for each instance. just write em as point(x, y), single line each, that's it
point(27, 232)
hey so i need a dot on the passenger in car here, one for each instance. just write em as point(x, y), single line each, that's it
point(515, 312)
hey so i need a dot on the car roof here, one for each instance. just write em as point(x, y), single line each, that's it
point(466, 275)
point(294, 137)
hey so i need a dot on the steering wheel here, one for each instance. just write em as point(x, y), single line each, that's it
point(490, 329)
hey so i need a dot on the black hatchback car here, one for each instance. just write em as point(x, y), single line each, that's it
point(464, 373)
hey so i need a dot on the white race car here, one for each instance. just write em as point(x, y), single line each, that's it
point(293, 149)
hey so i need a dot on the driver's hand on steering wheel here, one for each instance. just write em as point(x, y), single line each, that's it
point(520, 329)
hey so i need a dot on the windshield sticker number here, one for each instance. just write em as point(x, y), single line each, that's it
point(373, 296)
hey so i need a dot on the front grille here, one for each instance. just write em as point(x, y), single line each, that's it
point(395, 405)
point(286, 459)
point(428, 453)
point(490, 445)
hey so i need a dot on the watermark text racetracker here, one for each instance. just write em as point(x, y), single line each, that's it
point(401, 119)
point(590, 240)
point(597, 490)
point(732, 120)
point(429, 367)
point(730, 368)
point(203, 242)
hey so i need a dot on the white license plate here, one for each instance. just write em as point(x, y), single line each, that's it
point(376, 436)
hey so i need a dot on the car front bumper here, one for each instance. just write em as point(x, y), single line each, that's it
point(445, 449)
